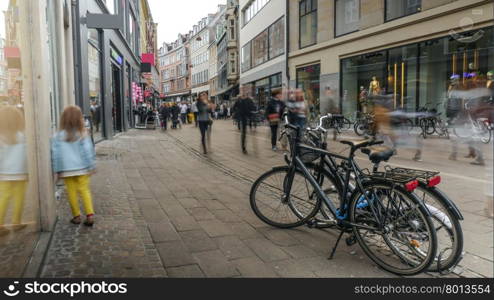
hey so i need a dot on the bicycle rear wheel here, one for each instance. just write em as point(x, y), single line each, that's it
point(448, 228)
point(405, 242)
point(270, 204)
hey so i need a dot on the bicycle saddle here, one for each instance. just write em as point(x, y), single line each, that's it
point(378, 154)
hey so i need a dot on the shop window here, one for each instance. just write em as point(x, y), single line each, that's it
point(94, 74)
point(277, 39)
point(308, 22)
point(110, 5)
point(347, 16)
point(400, 8)
point(308, 79)
point(260, 49)
point(246, 57)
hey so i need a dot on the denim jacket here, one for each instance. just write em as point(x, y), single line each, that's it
point(13, 158)
point(72, 156)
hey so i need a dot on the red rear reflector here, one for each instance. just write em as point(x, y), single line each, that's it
point(434, 181)
point(412, 185)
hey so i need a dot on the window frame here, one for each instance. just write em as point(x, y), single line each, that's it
point(386, 20)
point(336, 35)
point(300, 16)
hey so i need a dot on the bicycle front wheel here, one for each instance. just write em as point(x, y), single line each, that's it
point(278, 208)
point(396, 230)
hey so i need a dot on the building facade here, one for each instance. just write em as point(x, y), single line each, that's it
point(228, 54)
point(409, 50)
point(174, 70)
point(262, 46)
point(149, 54)
point(216, 27)
point(108, 63)
point(199, 56)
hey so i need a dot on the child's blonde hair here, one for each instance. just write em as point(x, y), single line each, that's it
point(11, 123)
point(72, 122)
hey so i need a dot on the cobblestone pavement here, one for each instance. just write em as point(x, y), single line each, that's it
point(163, 209)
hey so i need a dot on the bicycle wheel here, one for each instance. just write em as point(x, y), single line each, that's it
point(268, 201)
point(448, 228)
point(442, 128)
point(428, 126)
point(361, 128)
point(484, 132)
point(346, 124)
point(405, 241)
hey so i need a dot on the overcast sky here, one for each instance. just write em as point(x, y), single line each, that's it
point(178, 16)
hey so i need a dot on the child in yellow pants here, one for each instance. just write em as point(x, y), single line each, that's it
point(79, 185)
point(13, 166)
point(73, 160)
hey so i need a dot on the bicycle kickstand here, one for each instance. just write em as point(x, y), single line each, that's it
point(336, 245)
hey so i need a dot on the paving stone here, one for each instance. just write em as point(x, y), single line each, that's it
point(226, 216)
point(189, 202)
point(163, 232)
point(201, 214)
point(253, 267)
point(185, 223)
point(197, 241)
point(280, 237)
point(299, 251)
point(233, 248)
point(175, 254)
point(215, 228)
point(192, 271)
point(215, 264)
point(266, 250)
point(244, 231)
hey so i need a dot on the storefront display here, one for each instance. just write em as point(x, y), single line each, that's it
point(308, 79)
point(95, 95)
point(418, 75)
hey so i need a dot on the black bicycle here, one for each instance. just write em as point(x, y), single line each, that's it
point(445, 214)
point(389, 222)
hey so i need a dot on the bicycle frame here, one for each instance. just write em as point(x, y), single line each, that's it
point(297, 164)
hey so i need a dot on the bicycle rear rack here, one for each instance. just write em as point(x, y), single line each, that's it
point(421, 175)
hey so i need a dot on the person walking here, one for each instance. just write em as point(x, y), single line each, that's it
point(204, 108)
point(183, 113)
point(274, 113)
point(175, 114)
point(73, 160)
point(164, 115)
point(244, 109)
point(297, 108)
point(195, 111)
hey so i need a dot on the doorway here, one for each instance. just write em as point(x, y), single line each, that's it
point(116, 99)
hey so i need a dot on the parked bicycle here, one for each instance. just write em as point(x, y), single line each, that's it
point(468, 126)
point(389, 222)
point(432, 123)
point(445, 214)
point(364, 125)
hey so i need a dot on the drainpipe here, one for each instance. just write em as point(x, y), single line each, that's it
point(287, 35)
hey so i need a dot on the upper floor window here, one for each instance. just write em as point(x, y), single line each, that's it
point(400, 8)
point(308, 22)
point(347, 16)
point(252, 8)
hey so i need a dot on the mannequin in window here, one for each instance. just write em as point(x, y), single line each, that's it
point(363, 99)
point(375, 87)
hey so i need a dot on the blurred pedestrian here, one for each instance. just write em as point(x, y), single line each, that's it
point(204, 108)
point(13, 166)
point(175, 114)
point(297, 108)
point(194, 110)
point(244, 108)
point(73, 160)
point(274, 113)
point(183, 112)
point(164, 115)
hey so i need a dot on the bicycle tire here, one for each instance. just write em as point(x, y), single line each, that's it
point(360, 128)
point(299, 219)
point(409, 268)
point(453, 228)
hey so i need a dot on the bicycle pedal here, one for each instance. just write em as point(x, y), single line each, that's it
point(311, 224)
point(351, 240)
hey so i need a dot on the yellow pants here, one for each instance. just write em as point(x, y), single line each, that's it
point(16, 191)
point(79, 185)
